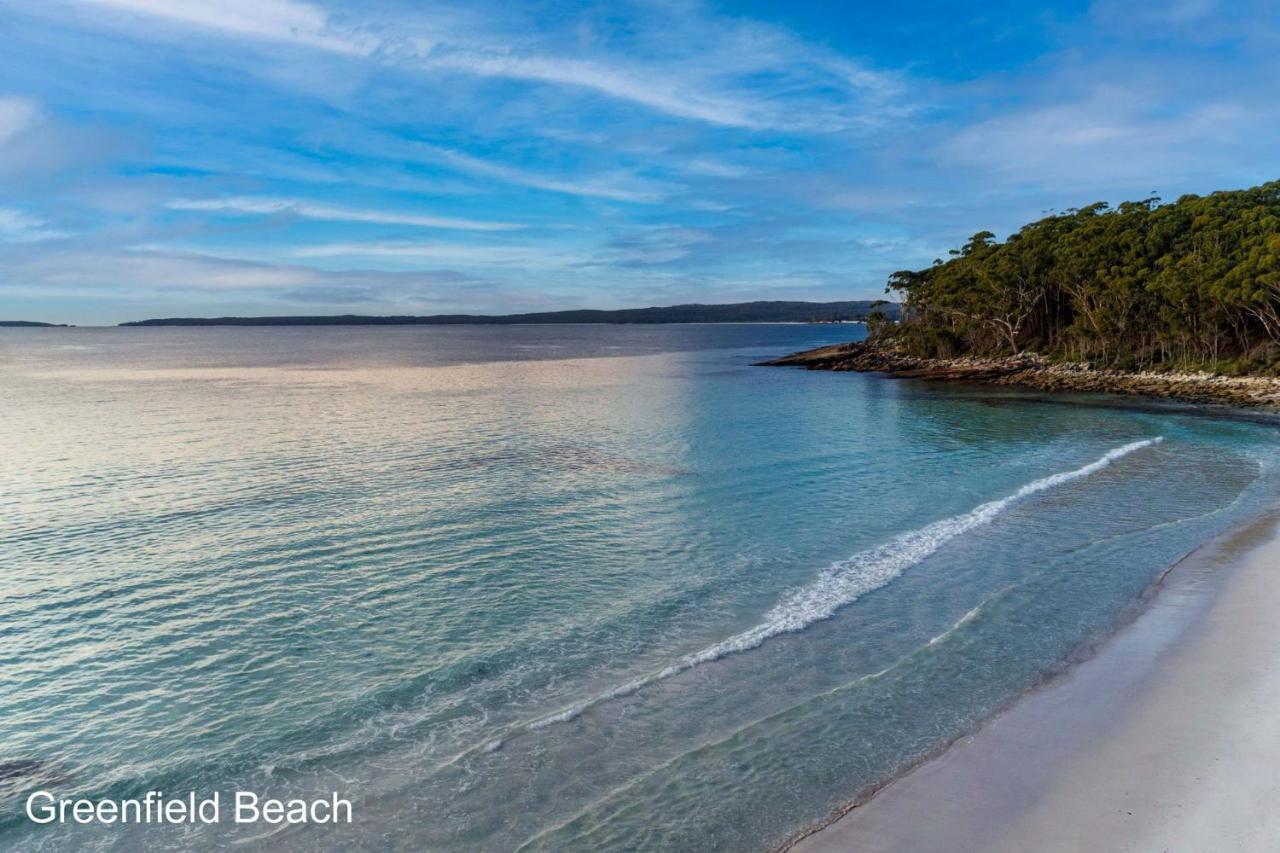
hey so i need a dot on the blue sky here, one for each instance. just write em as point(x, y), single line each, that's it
point(162, 158)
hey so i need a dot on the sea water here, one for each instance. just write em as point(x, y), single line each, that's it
point(547, 587)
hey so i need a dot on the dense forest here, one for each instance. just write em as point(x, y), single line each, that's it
point(1191, 283)
point(739, 312)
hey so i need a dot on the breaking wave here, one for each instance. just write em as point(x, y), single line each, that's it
point(838, 585)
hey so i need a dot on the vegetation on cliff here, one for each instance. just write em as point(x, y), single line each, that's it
point(1194, 283)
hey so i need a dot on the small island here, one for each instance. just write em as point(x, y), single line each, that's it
point(1178, 300)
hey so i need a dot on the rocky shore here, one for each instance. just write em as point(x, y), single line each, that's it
point(1030, 370)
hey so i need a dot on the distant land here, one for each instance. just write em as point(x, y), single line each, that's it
point(1178, 301)
point(739, 312)
point(1189, 285)
point(24, 323)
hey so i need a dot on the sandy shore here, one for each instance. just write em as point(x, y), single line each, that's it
point(1168, 739)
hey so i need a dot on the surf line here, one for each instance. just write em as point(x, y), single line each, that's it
point(836, 586)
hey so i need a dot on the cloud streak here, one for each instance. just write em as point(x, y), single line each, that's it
point(16, 115)
point(84, 270)
point(705, 80)
point(444, 253)
point(657, 93)
point(332, 213)
point(17, 226)
point(592, 153)
point(276, 20)
point(620, 188)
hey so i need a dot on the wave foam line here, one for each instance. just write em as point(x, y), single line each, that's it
point(836, 586)
point(725, 738)
point(844, 582)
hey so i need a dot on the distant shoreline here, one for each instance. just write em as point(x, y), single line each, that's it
point(211, 325)
point(1033, 371)
point(148, 324)
point(737, 312)
point(776, 311)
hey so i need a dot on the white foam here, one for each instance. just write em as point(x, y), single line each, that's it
point(844, 582)
point(959, 623)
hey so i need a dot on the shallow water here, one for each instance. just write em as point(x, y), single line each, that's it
point(552, 588)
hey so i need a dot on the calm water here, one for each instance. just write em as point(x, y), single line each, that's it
point(545, 588)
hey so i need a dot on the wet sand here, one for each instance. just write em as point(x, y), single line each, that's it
point(1167, 739)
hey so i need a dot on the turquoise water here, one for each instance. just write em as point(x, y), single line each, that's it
point(546, 588)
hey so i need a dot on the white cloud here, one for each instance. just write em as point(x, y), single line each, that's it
point(280, 20)
point(1147, 14)
point(312, 210)
point(1110, 133)
point(174, 272)
point(34, 144)
point(651, 90)
point(691, 66)
point(654, 246)
point(17, 226)
point(720, 71)
point(16, 115)
point(447, 253)
point(715, 168)
point(616, 187)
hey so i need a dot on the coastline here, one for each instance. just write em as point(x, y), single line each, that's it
point(1030, 370)
point(1162, 739)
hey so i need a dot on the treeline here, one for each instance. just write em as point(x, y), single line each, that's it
point(1144, 284)
point(740, 312)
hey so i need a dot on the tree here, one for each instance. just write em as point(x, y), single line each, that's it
point(1196, 281)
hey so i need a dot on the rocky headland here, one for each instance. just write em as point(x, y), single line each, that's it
point(1030, 370)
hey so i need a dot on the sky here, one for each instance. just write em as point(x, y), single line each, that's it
point(213, 157)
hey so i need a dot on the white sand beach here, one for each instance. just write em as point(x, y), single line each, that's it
point(1168, 739)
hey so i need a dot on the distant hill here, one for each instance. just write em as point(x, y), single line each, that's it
point(27, 323)
point(740, 312)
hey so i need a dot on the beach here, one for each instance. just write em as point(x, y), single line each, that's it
point(1164, 739)
point(515, 588)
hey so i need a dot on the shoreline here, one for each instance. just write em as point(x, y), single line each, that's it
point(1081, 761)
point(1030, 370)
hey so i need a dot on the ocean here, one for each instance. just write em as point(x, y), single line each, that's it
point(550, 588)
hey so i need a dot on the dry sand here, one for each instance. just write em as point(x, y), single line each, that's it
point(1167, 740)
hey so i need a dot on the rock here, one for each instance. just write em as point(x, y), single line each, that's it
point(1032, 370)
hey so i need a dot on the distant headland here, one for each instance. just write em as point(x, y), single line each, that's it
point(738, 312)
point(20, 324)
point(1178, 300)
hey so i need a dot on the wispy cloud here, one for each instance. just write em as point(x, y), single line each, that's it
point(714, 75)
point(1112, 133)
point(444, 253)
point(621, 187)
point(471, 156)
point(661, 245)
point(16, 115)
point(17, 226)
point(148, 270)
point(34, 144)
point(279, 20)
point(657, 92)
point(332, 213)
point(715, 168)
point(688, 62)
